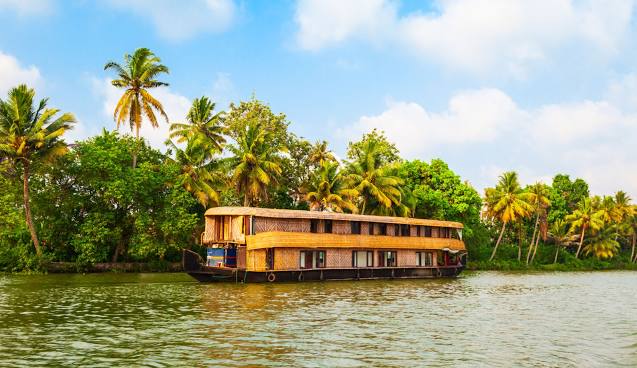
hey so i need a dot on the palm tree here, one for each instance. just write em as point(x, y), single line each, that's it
point(30, 134)
point(583, 218)
point(373, 182)
point(197, 173)
point(320, 154)
point(631, 222)
point(328, 190)
point(507, 202)
point(136, 76)
point(538, 195)
point(255, 164)
point(203, 128)
point(603, 244)
point(622, 206)
point(605, 208)
point(560, 234)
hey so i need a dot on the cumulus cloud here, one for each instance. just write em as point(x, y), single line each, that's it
point(27, 7)
point(471, 35)
point(175, 105)
point(484, 132)
point(180, 20)
point(13, 73)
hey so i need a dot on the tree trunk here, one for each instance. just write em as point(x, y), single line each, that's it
point(557, 251)
point(136, 147)
point(495, 249)
point(632, 254)
point(581, 241)
point(246, 201)
point(520, 242)
point(27, 210)
point(537, 241)
point(528, 254)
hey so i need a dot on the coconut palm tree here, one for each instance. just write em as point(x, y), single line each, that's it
point(203, 127)
point(631, 222)
point(538, 194)
point(255, 163)
point(507, 202)
point(30, 134)
point(373, 182)
point(605, 208)
point(603, 244)
point(197, 175)
point(559, 233)
point(328, 190)
point(583, 218)
point(137, 76)
point(622, 206)
point(320, 154)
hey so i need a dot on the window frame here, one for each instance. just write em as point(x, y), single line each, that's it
point(355, 227)
point(328, 224)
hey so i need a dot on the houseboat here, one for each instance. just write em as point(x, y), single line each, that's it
point(248, 244)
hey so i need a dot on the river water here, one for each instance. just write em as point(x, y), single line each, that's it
point(479, 319)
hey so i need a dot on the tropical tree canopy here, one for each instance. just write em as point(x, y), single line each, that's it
point(203, 127)
point(328, 190)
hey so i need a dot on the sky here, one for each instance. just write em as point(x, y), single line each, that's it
point(537, 86)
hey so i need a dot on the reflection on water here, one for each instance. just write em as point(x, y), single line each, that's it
point(494, 319)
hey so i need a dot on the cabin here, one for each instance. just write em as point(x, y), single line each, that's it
point(326, 245)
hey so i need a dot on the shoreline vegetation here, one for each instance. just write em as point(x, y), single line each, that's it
point(112, 202)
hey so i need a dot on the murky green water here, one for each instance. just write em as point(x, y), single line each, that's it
point(483, 319)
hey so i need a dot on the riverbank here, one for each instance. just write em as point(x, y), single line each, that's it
point(578, 265)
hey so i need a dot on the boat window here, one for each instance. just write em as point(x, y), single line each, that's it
point(435, 232)
point(425, 259)
point(418, 230)
point(387, 259)
point(312, 259)
point(327, 226)
point(314, 226)
point(382, 229)
point(404, 230)
point(356, 227)
point(396, 230)
point(362, 258)
point(370, 228)
point(428, 231)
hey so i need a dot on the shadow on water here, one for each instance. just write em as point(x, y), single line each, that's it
point(499, 319)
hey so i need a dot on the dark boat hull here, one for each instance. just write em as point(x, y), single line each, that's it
point(193, 265)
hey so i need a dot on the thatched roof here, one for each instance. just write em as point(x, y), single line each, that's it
point(297, 214)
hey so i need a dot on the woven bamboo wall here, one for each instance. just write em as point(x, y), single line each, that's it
point(286, 258)
point(255, 260)
point(341, 227)
point(264, 224)
point(209, 231)
point(406, 258)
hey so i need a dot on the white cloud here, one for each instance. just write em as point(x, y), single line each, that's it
point(472, 35)
point(27, 7)
point(12, 74)
point(175, 105)
point(484, 133)
point(223, 91)
point(324, 22)
point(180, 20)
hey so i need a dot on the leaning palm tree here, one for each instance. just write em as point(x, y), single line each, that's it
point(320, 153)
point(631, 223)
point(254, 164)
point(603, 244)
point(136, 76)
point(373, 182)
point(507, 202)
point(328, 190)
point(559, 233)
point(583, 218)
point(538, 195)
point(203, 127)
point(30, 134)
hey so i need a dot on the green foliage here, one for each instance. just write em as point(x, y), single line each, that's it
point(386, 152)
point(565, 196)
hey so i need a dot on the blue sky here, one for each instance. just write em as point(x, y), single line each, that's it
point(537, 86)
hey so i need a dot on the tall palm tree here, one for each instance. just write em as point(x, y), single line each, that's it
point(203, 126)
point(320, 153)
point(507, 202)
point(136, 76)
point(328, 190)
point(538, 195)
point(583, 218)
point(30, 134)
point(605, 208)
point(631, 223)
point(197, 174)
point(255, 163)
point(374, 182)
point(603, 244)
point(622, 206)
point(559, 233)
